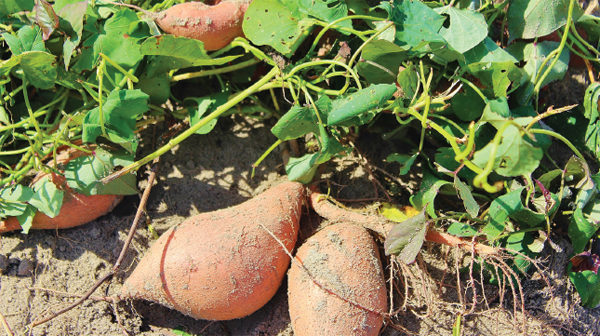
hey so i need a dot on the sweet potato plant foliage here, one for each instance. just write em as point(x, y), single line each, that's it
point(460, 82)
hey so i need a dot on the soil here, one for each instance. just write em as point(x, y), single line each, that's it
point(213, 171)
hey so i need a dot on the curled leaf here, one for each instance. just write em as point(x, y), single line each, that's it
point(46, 18)
point(406, 238)
point(585, 261)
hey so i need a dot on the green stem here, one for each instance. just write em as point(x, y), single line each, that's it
point(204, 73)
point(581, 40)
point(118, 67)
point(470, 144)
point(100, 75)
point(362, 46)
point(262, 157)
point(555, 53)
point(323, 62)
point(174, 142)
point(32, 119)
point(559, 137)
point(480, 181)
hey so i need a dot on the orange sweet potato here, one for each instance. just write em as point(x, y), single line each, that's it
point(225, 264)
point(336, 284)
point(77, 209)
point(216, 25)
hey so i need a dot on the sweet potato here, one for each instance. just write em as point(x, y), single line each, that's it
point(225, 264)
point(77, 209)
point(216, 25)
point(336, 284)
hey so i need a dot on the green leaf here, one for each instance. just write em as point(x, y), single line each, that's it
point(591, 26)
point(590, 105)
point(408, 79)
point(326, 10)
point(74, 14)
point(465, 194)
point(580, 229)
point(177, 53)
point(405, 161)
point(27, 39)
point(534, 55)
point(46, 18)
point(199, 107)
point(381, 61)
point(511, 206)
point(429, 189)
point(122, 50)
point(302, 169)
point(119, 23)
point(461, 230)
point(91, 32)
point(534, 18)
point(16, 193)
point(520, 242)
point(120, 110)
point(360, 103)
point(405, 239)
point(538, 244)
point(330, 147)
point(445, 158)
point(467, 105)
point(488, 52)
point(158, 88)
point(301, 120)
point(587, 284)
point(496, 76)
point(416, 24)
point(26, 218)
point(39, 68)
point(577, 174)
point(13, 200)
point(467, 28)
point(277, 23)
point(84, 173)
point(47, 198)
point(496, 112)
point(513, 157)
point(8, 7)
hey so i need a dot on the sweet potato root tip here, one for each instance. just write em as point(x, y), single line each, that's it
point(224, 264)
point(336, 284)
point(450, 240)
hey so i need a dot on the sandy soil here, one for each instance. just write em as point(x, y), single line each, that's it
point(211, 172)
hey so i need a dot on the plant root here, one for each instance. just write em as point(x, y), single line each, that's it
point(382, 226)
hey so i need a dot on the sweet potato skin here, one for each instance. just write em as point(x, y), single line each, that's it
point(216, 25)
point(77, 209)
point(222, 265)
point(343, 292)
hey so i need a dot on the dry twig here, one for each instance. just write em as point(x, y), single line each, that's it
point(124, 250)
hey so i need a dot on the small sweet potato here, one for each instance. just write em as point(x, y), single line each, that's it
point(225, 264)
point(77, 209)
point(336, 284)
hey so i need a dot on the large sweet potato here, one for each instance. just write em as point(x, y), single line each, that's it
point(336, 285)
point(225, 264)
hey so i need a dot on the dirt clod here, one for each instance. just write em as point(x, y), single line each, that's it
point(3, 263)
point(25, 268)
